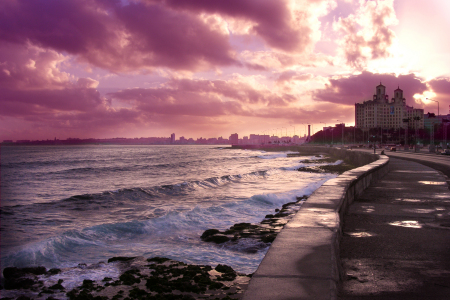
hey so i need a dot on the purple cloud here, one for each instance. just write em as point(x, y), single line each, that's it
point(273, 20)
point(116, 37)
point(358, 88)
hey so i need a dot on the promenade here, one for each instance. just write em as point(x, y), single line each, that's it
point(433, 160)
point(396, 235)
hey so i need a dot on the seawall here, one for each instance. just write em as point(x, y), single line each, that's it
point(356, 158)
point(303, 261)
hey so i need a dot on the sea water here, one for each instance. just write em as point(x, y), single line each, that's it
point(66, 205)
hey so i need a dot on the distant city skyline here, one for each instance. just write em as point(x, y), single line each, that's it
point(102, 69)
point(251, 139)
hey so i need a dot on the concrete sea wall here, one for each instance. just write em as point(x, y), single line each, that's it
point(355, 158)
point(303, 261)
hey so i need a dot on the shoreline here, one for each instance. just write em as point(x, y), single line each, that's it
point(130, 272)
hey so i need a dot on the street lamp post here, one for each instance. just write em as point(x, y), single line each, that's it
point(434, 101)
point(323, 133)
point(416, 118)
point(342, 125)
point(332, 131)
point(381, 139)
point(432, 147)
point(432, 132)
point(406, 121)
point(445, 134)
point(305, 127)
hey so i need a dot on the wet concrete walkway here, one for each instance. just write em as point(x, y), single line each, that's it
point(396, 237)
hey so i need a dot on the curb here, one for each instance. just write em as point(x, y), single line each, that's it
point(303, 262)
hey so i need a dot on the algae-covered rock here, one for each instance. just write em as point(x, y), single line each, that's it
point(218, 239)
point(228, 274)
point(128, 278)
point(339, 169)
point(13, 272)
point(57, 286)
point(120, 258)
point(158, 259)
point(162, 278)
point(208, 233)
point(268, 238)
point(224, 269)
point(54, 271)
point(22, 278)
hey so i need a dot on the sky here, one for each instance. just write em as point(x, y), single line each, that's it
point(210, 68)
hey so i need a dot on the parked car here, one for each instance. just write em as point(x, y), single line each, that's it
point(446, 152)
point(393, 149)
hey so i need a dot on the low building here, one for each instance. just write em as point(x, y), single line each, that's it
point(431, 119)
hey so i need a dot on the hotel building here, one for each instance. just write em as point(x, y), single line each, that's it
point(380, 112)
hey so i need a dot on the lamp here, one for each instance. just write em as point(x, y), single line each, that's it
point(434, 101)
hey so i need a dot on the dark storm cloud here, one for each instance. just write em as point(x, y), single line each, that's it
point(114, 36)
point(28, 102)
point(440, 86)
point(358, 88)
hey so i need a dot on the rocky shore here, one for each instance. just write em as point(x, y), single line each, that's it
point(154, 278)
point(326, 167)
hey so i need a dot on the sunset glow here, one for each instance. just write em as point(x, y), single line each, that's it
point(209, 68)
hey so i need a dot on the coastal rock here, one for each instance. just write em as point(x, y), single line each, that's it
point(326, 168)
point(260, 235)
point(22, 278)
point(339, 169)
point(120, 258)
point(13, 272)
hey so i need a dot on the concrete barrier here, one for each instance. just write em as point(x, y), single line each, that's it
point(303, 261)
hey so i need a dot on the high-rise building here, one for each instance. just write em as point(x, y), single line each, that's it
point(380, 112)
point(234, 139)
point(172, 138)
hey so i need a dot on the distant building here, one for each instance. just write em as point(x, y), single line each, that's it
point(380, 112)
point(172, 138)
point(201, 141)
point(234, 139)
point(431, 119)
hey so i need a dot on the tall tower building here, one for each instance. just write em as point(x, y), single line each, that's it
point(380, 112)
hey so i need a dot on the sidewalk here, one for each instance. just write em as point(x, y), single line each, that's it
point(396, 237)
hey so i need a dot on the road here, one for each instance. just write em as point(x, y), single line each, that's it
point(432, 160)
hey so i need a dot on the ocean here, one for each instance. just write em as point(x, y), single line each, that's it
point(62, 206)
